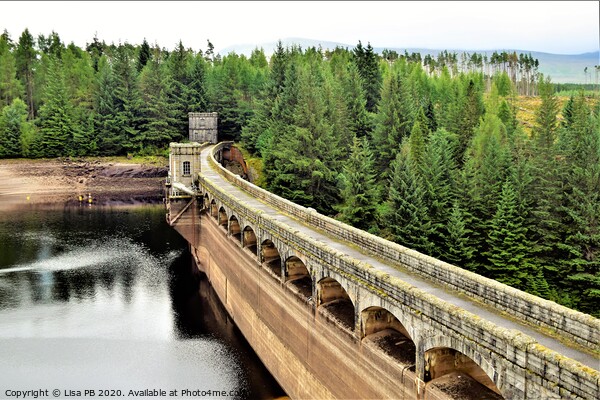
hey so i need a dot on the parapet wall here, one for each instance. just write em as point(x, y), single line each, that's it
point(579, 327)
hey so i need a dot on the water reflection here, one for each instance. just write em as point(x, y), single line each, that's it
point(107, 297)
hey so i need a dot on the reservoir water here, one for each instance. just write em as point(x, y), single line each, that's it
point(105, 299)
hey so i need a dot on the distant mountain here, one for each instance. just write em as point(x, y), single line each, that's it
point(562, 68)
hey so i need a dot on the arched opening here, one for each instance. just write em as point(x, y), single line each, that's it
point(297, 277)
point(213, 209)
point(270, 258)
point(459, 376)
point(383, 329)
point(333, 300)
point(250, 240)
point(206, 202)
point(222, 218)
point(234, 228)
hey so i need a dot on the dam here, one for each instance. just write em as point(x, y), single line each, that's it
point(335, 312)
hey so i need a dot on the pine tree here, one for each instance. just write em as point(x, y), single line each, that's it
point(25, 57)
point(358, 191)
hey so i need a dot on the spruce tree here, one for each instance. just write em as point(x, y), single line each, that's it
point(405, 214)
point(393, 122)
point(580, 269)
point(106, 126)
point(508, 247)
point(487, 163)
point(438, 170)
point(57, 121)
point(546, 122)
point(368, 67)
point(127, 100)
point(13, 124)
point(305, 155)
point(158, 126)
point(547, 184)
point(471, 109)
point(144, 55)
point(358, 190)
point(458, 248)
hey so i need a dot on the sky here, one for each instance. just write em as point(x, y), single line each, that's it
point(563, 27)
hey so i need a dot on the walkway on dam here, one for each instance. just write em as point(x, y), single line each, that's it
point(450, 297)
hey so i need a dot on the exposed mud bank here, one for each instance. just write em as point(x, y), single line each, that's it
point(73, 181)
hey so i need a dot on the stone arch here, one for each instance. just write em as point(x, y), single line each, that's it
point(297, 277)
point(223, 217)
point(249, 240)
point(214, 209)
point(234, 228)
point(382, 328)
point(205, 201)
point(333, 299)
point(454, 369)
point(270, 257)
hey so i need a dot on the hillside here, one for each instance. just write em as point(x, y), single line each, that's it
point(562, 68)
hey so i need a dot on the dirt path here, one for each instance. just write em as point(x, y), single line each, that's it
point(55, 181)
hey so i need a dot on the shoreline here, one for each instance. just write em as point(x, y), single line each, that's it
point(65, 181)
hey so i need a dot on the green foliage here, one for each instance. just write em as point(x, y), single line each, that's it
point(438, 170)
point(393, 122)
point(400, 145)
point(10, 87)
point(368, 68)
point(508, 248)
point(358, 190)
point(58, 125)
point(546, 121)
point(157, 127)
point(25, 58)
point(406, 215)
point(13, 125)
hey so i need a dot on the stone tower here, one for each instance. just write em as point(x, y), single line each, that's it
point(203, 127)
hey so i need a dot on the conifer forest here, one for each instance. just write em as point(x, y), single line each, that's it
point(425, 151)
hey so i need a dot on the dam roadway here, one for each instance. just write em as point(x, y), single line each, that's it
point(215, 177)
